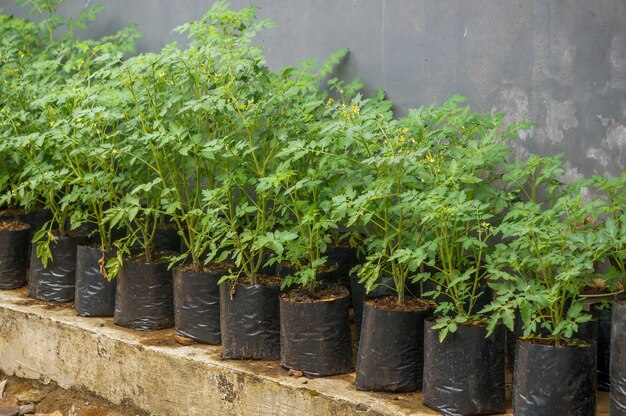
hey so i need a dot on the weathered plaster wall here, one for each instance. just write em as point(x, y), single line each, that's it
point(558, 63)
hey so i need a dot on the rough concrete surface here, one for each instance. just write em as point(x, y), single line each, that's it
point(151, 371)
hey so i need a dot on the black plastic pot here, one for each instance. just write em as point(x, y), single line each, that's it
point(14, 247)
point(385, 288)
point(603, 318)
point(250, 321)
point(315, 337)
point(57, 282)
point(556, 381)
point(197, 305)
point(587, 332)
point(36, 219)
point(167, 239)
point(342, 259)
point(618, 357)
point(95, 295)
point(464, 374)
point(144, 298)
point(390, 356)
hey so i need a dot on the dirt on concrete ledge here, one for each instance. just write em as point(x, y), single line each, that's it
point(48, 398)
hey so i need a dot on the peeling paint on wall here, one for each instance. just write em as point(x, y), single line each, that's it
point(561, 117)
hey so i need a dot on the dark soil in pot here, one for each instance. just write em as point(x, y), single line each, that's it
point(618, 356)
point(95, 295)
point(554, 380)
point(144, 298)
point(390, 356)
point(386, 288)
point(315, 331)
point(197, 302)
point(464, 374)
point(14, 245)
point(250, 319)
point(57, 281)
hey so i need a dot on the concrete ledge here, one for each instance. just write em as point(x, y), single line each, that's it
point(151, 371)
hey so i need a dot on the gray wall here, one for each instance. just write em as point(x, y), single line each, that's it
point(558, 63)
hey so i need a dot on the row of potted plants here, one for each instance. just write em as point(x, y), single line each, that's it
point(250, 208)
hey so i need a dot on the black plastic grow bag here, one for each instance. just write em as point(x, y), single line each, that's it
point(618, 357)
point(144, 298)
point(57, 282)
point(464, 374)
point(603, 318)
point(342, 259)
point(587, 331)
point(95, 295)
point(250, 321)
point(391, 350)
point(556, 381)
point(36, 219)
point(315, 337)
point(14, 247)
point(167, 239)
point(197, 305)
point(385, 288)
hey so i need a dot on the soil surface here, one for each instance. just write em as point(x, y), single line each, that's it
point(75, 234)
point(323, 295)
point(263, 280)
point(11, 212)
point(390, 303)
point(211, 267)
point(551, 342)
point(158, 257)
point(13, 225)
point(50, 399)
point(590, 290)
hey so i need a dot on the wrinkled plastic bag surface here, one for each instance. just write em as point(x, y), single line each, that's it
point(95, 295)
point(250, 321)
point(391, 350)
point(618, 358)
point(57, 282)
point(197, 305)
point(144, 298)
point(464, 374)
point(14, 246)
point(556, 381)
point(315, 337)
